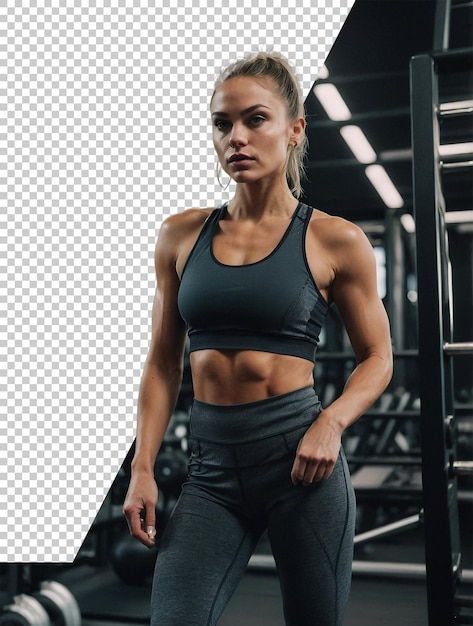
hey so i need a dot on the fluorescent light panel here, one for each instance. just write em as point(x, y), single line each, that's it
point(408, 223)
point(358, 143)
point(332, 102)
point(384, 186)
point(337, 110)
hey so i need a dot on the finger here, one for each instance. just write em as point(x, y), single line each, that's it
point(307, 481)
point(132, 516)
point(298, 473)
point(298, 468)
point(144, 537)
point(149, 522)
point(324, 471)
point(309, 474)
point(136, 519)
point(136, 523)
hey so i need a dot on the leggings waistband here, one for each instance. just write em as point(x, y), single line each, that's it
point(250, 421)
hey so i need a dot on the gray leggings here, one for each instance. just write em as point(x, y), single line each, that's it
point(238, 486)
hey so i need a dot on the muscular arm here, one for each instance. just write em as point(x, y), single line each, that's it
point(354, 290)
point(159, 388)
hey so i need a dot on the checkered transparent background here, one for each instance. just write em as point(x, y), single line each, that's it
point(107, 132)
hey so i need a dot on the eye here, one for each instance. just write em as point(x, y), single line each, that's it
point(221, 125)
point(256, 120)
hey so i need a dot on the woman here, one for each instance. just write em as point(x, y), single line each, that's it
point(251, 282)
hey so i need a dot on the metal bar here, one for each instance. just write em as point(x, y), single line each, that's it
point(450, 165)
point(407, 414)
point(414, 571)
point(442, 25)
point(395, 272)
point(358, 118)
point(463, 5)
point(402, 570)
point(332, 356)
point(440, 514)
point(389, 529)
point(464, 601)
point(364, 78)
point(382, 568)
point(463, 468)
point(399, 156)
point(385, 493)
point(460, 58)
point(465, 347)
point(459, 217)
point(444, 112)
point(384, 460)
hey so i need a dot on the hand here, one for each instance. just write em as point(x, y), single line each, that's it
point(317, 452)
point(140, 508)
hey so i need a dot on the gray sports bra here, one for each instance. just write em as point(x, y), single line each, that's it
point(272, 305)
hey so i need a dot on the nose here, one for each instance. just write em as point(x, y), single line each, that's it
point(238, 135)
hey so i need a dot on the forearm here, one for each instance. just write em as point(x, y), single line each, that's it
point(159, 390)
point(364, 386)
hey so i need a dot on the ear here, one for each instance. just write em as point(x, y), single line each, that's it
point(297, 131)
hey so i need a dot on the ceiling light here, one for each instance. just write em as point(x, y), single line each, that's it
point(384, 186)
point(332, 102)
point(358, 144)
point(408, 223)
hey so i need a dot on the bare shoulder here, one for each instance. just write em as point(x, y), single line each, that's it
point(177, 235)
point(178, 227)
point(343, 241)
point(180, 224)
point(333, 230)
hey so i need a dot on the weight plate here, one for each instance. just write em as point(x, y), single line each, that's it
point(64, 600)
point(27, 611)
point(14, 619)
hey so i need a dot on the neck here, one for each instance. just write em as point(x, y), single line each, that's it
point(257, 200)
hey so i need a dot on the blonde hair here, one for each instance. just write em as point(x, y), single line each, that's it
point(276, 67)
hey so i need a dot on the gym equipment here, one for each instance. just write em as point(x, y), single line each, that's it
point(132, 561)
point(59, 603)
point(25, 611)
point(436, 349)
point(52, 605)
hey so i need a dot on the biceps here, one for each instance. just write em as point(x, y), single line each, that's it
point(365, 320)
point(167, 332)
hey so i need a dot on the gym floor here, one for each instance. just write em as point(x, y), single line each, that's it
point(105, 600)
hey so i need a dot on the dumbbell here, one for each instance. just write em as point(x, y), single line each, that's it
point(59, 603)
point(52, 605)
point(25, 611)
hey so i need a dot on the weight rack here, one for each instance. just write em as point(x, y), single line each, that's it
point(440, 468)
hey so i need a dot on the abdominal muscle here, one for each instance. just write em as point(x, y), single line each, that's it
point(238, 376)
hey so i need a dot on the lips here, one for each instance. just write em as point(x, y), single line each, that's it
point(236, 158)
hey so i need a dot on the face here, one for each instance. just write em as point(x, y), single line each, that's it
point(251, 129)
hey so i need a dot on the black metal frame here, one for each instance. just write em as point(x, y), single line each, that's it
point(441, 525)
